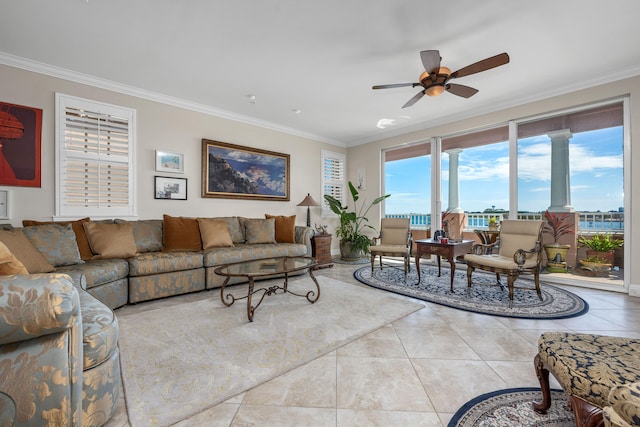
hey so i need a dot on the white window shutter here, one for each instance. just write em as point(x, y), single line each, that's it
point(94, 159)
point(333, 177)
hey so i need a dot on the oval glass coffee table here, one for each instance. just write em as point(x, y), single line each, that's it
point(263, 268)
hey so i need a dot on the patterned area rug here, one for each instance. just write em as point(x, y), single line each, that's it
point(184, 354)
point(512, 408)
point(360, 261)
point(485, 296)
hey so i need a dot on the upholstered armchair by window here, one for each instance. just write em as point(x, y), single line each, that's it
point(520, 252)
point(394, 241)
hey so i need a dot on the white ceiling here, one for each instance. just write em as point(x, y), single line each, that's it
point(322, 57)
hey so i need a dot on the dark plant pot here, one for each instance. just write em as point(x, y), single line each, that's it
point(347, 253)
point(608, 256)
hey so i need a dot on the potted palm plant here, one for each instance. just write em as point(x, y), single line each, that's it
point(601, 245)
point(556, 253)
point(354, 243)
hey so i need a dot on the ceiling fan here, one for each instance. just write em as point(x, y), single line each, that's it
point(435, 79)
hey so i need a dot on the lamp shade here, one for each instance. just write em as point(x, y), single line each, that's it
point(308, 201)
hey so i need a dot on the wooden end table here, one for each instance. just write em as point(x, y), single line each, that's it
point(321, 250)
point(449, 250)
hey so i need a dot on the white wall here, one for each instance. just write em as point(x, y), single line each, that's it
point(369, 155)
point(164, 127)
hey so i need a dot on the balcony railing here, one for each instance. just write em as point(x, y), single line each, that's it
point(589, 221)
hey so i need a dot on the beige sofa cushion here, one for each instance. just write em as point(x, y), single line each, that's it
point(25, 252)
point(9, 264)
point(214, 233)
point(109, 240)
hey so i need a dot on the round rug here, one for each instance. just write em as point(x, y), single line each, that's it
point(485, 296)
point(512, 408)
point(359, 261)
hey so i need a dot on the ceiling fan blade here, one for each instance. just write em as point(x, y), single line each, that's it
point(413, 100)
point(461, 90)
point(485, 64)
point(430, 60)
point(395, 85)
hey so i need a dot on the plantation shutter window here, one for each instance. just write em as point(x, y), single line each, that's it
point(95, 146)
point(333, 175)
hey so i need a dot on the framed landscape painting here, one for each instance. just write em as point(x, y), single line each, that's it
point(237, 172)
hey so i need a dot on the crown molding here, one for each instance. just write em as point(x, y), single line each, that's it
point(89, 80)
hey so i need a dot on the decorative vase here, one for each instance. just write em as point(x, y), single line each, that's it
point(556, 257)
point(347, 253)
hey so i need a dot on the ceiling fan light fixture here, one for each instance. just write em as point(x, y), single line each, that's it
point(435, 90)
point(444, 71)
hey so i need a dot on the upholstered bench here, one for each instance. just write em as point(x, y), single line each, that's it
point(624, 406)
point(587, 367)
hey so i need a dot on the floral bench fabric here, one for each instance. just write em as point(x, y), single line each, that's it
point(588, 366)
point(624, 406)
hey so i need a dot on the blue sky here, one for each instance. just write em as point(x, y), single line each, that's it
point(596, 164)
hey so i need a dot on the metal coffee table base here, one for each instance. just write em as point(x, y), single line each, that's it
point(228, 299)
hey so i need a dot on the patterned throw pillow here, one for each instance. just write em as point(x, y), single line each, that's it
point(147, 233)
point(57, 243)
point(285, 228)
point(78, 229)
point(214, 233)
point(259, 230)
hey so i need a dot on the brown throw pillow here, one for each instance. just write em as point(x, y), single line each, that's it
point(78, 229)
point(9, 264)
point(110, 240)
point(285, 228)
point(22, 248)
point(214, 233)
point(180, 234)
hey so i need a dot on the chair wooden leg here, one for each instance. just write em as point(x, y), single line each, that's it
point(510, 280)
point(373, 261)
point(543, 377)
point(469, 273)
point(536, 280)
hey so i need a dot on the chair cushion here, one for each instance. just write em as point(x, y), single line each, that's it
point(398, 250)
point(589, 366)
point(394, 231)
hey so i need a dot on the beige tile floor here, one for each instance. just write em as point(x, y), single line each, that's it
point(416, 371)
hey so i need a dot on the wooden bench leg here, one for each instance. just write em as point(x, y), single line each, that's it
point(543, 377)
point(586, 414)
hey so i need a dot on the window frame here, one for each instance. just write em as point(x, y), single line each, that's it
point(98, 159)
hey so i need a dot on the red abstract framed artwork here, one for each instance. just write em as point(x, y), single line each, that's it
point(20, 145)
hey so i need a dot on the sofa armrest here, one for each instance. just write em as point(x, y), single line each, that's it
point(303, 236)
point(36, 304)
point(41, 348)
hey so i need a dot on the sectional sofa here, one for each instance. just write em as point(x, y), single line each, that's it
point(59, 360)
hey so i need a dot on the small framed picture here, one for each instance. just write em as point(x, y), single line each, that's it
point(169, 162)
point(170, 188)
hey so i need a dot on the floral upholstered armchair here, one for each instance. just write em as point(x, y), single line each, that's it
point(40, 351)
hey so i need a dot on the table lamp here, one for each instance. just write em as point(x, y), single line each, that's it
point(308, 202)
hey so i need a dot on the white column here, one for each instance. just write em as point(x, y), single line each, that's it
point(560, 175)
point(454, 184)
